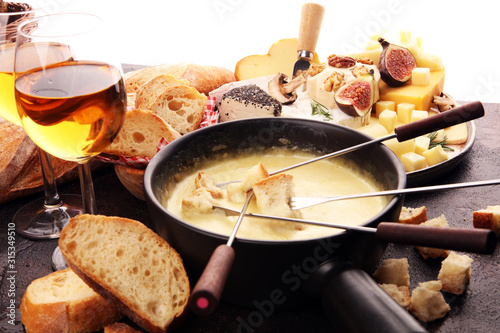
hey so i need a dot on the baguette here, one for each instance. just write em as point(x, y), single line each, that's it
point(180, 106)
point(148, 92)
point(131, 265)
point(140, 135)
point(62, 302)
point(202, 78)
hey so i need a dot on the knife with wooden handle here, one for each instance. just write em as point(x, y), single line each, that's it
point(310, 26)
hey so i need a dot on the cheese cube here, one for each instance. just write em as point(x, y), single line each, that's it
point(420, 76)
point(435, 155)
point(400, 148)
point(384, 105)
point(456, 134)
point(417, 115)
point(404, 112)
point(422, 144)
point(421, 96)
point(374, 130)
point(388, 119)
point(413, 161)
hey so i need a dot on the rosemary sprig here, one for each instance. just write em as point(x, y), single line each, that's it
point(320, 109)
point(441, 143)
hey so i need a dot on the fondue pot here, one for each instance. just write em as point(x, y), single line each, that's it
point(287, 273)
point(270, 270)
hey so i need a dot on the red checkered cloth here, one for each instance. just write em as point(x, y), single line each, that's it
point(210, 117)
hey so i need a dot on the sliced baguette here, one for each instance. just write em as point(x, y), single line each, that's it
point(148, 92)
point(140, 134)
point(128, 263)
point(180, 106)
point(62, 302)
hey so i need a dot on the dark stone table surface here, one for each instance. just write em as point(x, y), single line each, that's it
point(477, 310)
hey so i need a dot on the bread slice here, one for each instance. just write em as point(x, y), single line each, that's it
point(62, 302)
point(148, 92)
point(429, 252)
point(455, 273)
point(180, 106)
point(410, 215)
point(120, 328)
point(140, 135)
point(128, 263)
point(488, 218)
point(427, 301)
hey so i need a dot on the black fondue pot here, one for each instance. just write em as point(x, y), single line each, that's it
point(286, 273)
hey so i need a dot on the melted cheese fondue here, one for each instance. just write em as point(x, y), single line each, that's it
point(331, 177)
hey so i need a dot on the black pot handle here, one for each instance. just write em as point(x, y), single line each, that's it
point(353, 300)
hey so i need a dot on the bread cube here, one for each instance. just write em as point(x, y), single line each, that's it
point(237, 192)
point(422, 144)
point(199, 201)
point(420, 76)
point(388, 119)
point(401, 294)
point(428, 252)
point(205, 181)
point(413, 161)
point(417, 115)
point(455, 273)
point(404, 112)
point(427, 301)
point(393, 271)
point(380, 106)
point(435, 155)
point(410, 215)
point(488, 218)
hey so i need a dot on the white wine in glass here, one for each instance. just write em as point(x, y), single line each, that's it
point(73, 109)
point(43, 218)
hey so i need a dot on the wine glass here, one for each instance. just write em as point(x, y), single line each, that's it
point(43, 218)
point(69, 91)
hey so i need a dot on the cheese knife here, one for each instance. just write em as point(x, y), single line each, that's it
point(310, 25)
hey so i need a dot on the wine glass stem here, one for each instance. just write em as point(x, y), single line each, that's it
point(52, 198)
point(89, 205)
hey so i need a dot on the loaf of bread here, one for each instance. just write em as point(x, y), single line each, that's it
point(488, 218)
point(427, 301)
point(202, 78)
point(62, 302)
point(455, 273)
point(429, 252)
point(148, 92)
point(131, 265)
point(410, 215)
point(20, 171)
point(140, 135)
point(180, 106)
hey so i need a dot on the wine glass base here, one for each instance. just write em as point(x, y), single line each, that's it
point(36, 221)
point(58, 262)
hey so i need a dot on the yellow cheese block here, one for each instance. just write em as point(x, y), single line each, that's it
point(422, 144)
point(413, 161)
point(420, 96)
point(388, 119)
point(456, 135)
point(401, 148)
point(280, 59)
point(435, 155)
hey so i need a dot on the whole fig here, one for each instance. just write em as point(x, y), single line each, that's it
point(396, 64)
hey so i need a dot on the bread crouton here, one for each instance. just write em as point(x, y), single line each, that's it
point(428, 252)
point(413, 215)
point(455, 273)
point(393, 271)
point(427, 301)
point(488, 218)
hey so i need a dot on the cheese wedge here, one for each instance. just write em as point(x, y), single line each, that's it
point(457, 134)
point(420, 96)
point(280, 59)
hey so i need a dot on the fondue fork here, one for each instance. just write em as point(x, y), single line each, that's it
point(304, 202)
point(455, 116)
point(457, 239)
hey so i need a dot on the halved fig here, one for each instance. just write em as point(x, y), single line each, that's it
point(396, 64)
point(357, 96)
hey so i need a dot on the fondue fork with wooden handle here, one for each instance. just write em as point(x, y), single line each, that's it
point(206, 294)
point(457, 239)
point(455, 116)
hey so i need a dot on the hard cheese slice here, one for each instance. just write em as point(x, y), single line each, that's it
point(420, 96)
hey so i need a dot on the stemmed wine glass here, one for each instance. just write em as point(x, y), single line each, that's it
point(43, 218)
point(69, 91)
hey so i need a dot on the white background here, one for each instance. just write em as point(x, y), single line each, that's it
point(220, 32)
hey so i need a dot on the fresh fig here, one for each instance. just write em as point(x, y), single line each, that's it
point(396, 64)
point(357, 96)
